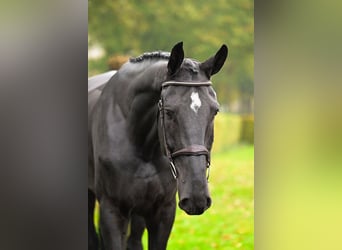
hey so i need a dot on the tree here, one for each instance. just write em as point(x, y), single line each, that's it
point(132, 27)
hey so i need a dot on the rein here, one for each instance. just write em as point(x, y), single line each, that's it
point(192, 150)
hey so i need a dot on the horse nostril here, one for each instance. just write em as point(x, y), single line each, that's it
point(184, 203)
point(208, 202)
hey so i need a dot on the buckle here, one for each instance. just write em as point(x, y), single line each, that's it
point(173, 169)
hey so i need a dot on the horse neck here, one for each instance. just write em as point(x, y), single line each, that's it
point(143, 112)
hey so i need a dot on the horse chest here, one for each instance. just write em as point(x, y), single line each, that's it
point(151, 193)
point(135, 181)
point(146, 183)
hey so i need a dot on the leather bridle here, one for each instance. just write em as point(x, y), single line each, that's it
point(191, 150)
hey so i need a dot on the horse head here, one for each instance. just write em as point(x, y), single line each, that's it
point(187, 108)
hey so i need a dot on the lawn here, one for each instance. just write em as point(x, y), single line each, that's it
point(229, 223)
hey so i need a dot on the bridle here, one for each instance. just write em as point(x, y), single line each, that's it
point(194, 149)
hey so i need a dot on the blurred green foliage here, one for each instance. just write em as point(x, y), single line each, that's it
point(232, 129)
point(226, 131)
point(247, 129)
point(130, 28)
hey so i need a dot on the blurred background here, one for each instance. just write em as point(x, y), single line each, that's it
point(118, 30)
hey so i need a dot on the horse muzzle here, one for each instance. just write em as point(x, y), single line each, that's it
point(196, 205)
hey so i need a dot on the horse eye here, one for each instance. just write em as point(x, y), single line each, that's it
point(169, 113)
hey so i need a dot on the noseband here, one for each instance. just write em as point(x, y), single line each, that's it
point(192, 150)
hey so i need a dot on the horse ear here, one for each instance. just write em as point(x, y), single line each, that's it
point(215, 63)
point(176, 58)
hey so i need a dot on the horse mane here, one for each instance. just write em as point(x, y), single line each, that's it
point(141, 105)
point(150, 56)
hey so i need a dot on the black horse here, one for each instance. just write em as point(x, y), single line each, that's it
point(155, 114)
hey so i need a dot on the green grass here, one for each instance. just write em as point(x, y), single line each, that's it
point(229, 223)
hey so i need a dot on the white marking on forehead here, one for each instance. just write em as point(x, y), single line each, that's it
point(195, 102)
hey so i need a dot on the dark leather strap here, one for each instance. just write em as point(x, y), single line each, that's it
point(188, 84)
point(192, 150)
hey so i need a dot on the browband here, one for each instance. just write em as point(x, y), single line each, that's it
point(190, 84)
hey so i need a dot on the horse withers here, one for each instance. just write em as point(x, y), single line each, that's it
point(150, 135)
